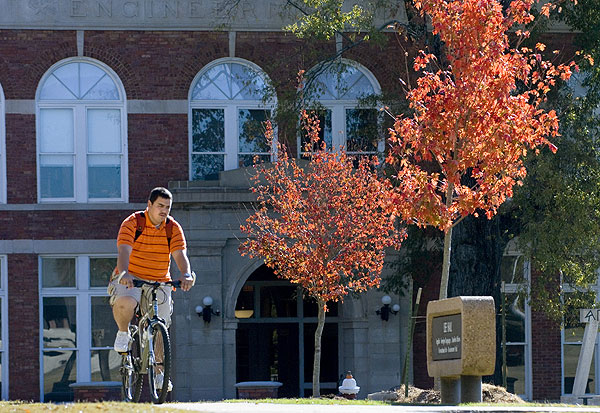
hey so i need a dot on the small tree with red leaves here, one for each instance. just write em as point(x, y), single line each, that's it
point(324, 226)
point(474, 118)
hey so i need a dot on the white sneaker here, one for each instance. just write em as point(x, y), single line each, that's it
point(122, 342)
point(158, 381)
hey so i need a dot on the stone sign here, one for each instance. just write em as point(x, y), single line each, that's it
point(162, 14)
point(446, 337)
point(461, 345)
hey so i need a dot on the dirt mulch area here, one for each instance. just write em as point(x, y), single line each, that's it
point(490, 393)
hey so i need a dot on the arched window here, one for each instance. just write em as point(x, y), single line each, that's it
point(228, 107)
point(3, 181)
point(81, 134)
point(339, 91)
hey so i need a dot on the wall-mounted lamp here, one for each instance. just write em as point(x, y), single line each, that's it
point(385, 310)
point(206, 312)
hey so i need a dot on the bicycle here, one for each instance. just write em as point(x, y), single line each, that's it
point(150, 338)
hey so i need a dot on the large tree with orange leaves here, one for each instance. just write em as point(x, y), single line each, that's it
point(476, 112)
point(323, 226)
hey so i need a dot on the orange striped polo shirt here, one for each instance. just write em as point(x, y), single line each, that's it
point(150, 257)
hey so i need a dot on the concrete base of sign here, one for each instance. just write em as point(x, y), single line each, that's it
point(470, 389)
point(450, 390)
point(461, 389)
point(581, 400)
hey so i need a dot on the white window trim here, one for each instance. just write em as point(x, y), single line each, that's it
point(338, 113)
point(515, 288)
point(3, 179)
point(231, 108)
point(80, 145)
point(4, 321)
point(82, 294)
point(567, 288)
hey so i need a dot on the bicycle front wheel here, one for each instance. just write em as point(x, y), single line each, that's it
point(130, 372)
point(159, 365)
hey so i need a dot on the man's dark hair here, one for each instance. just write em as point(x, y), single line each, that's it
point(159, 191)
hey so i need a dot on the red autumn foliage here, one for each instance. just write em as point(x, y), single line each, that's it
point(474, 119)
point(323, 226)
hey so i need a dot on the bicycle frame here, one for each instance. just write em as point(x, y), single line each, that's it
point(141, 358)
point(144, 326)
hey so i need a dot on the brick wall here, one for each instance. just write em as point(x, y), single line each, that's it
point(21, 173)
point(156, 65)
point(158, 152)
point(545, 358)
point(23, 324)
point(25, 55)
point(62, 224)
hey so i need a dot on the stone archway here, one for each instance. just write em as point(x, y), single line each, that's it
point(274, 337)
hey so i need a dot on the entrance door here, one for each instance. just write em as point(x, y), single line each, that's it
point(275, 336)
point(269, 352)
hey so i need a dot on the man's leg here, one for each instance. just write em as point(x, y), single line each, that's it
point(123, 309)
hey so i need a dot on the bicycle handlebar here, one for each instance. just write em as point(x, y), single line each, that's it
point(139, 283)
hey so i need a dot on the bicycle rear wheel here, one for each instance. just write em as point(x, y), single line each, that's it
point(159, 366)
point(130, 372)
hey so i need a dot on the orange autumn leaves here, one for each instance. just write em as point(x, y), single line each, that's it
point(474, 118)
point(323, 225)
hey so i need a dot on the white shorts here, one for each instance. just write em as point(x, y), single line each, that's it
point(144, 298)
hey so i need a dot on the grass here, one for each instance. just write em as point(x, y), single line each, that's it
point(323, 400)
point(122, 407)
point(116, 407)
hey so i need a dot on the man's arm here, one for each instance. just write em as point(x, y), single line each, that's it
point(123, 264)
point(183, 263)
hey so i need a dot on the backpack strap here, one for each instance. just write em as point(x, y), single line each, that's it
point(140, 217)
point(140, 225)
point(169, 230)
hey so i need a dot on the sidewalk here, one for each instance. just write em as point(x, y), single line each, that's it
point(219, 407)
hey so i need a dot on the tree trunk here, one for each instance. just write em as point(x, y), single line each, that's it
point(447, 248)
point(316, 380)
point(479, 245)
point(446, 264)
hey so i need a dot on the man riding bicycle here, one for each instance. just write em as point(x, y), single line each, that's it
point(146, 241)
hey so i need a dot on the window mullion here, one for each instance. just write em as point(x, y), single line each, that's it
point(83, 338)
point(231, 137)
point(80, 136)
point(338, 127)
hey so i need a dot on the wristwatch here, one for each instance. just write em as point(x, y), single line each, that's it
point(192, 274)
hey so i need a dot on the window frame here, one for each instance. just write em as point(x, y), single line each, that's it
point(83, 293)
point(80, 109)
point(4, 350)
point(515, 288)
point(231, 109)
point(566, 288)
point(339, 107)
point(3, 179)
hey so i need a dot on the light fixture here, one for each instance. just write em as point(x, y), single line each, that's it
point(385, 310)
point(243, 313)
point(206, 312)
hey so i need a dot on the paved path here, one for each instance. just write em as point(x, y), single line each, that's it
point(345, 408)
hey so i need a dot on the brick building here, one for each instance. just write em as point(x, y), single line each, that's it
point(100, 101)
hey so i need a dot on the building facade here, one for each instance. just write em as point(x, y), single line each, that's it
point(102, 100)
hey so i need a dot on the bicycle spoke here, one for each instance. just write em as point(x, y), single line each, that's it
point(159, 368)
